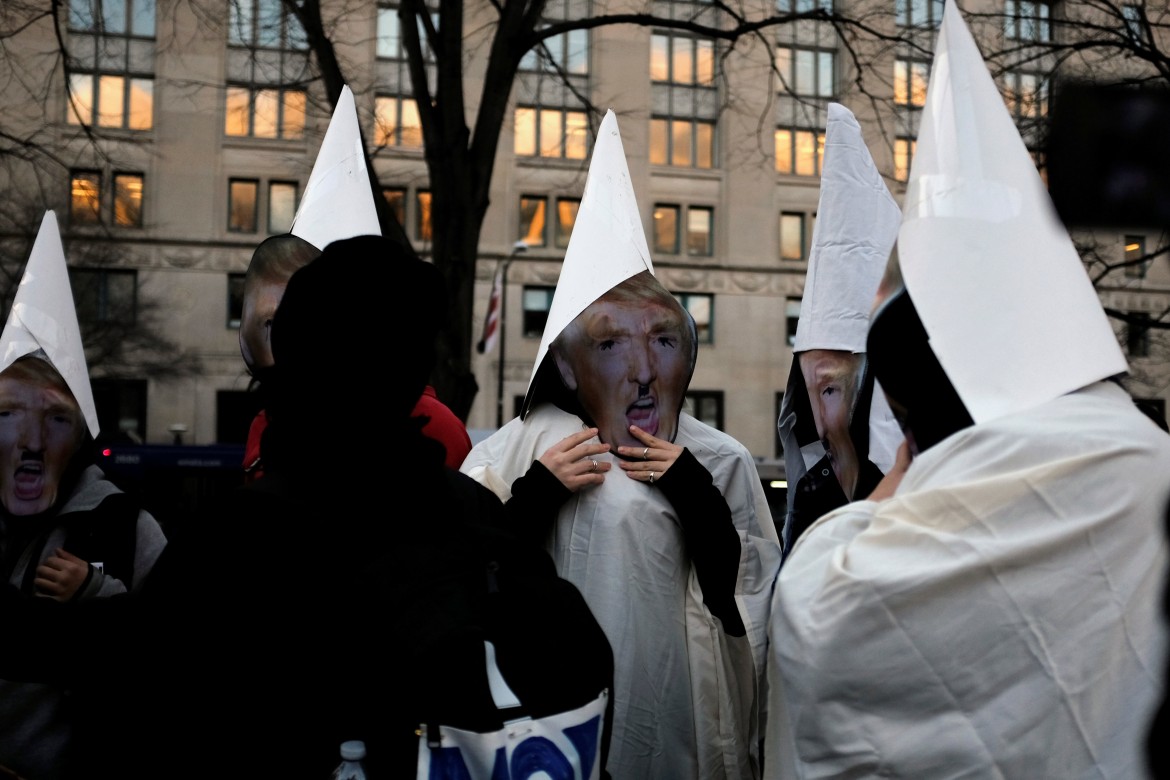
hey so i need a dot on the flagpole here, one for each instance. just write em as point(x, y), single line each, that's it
point(518, 248)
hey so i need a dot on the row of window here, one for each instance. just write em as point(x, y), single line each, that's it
point(544, 221)
point(111, 82)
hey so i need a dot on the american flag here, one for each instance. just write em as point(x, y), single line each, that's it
point(491, 323)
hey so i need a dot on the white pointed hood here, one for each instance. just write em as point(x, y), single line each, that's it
point(43, 318)
point(338, 201)
point(608, 243)
point(857, 224)
point(999, 287)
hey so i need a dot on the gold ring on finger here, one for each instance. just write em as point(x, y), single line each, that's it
point(594, 466)
point(644, 451)
point(651, 477)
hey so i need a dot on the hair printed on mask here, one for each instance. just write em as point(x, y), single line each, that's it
point(277, 258)
point(40, 373)
point(644, 291)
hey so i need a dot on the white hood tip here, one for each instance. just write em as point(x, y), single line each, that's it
point(338, 202)
point(857, 225)
point(1010, 310)
point(43, 319)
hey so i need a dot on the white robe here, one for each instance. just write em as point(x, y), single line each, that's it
point(621, 544)
point(997, 618)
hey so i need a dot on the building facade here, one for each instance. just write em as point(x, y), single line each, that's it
point(189, 128)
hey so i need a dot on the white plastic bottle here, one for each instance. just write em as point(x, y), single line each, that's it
point(352, 753)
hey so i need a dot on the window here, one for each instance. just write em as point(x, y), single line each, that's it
point(534, 210)
point(536, 302)
point(267, 53)
point(666, 229)
point(685, 99)
point(264, 24)
point(1027, 20)
point(705, 406)
point(566, 217)
point(792, 242)
point(903, 156)
point(128, 199)
point(806, 72)
point(423, 226)
point(1136, 262)
point(104, 295)
point(85, 204)
point(85, 199)
point(396, 122)
point(702, 308)
point(682, 142)
point(1137, 334)
point(1026, 95)
point(567, 52)
point(1134, 19)
point(910, 80)
point(389, 45)
point(413, 211)
point(550, 132)
point(802, 6)
point(532, 220)
point(918, 13)
point(265, 112)
point(791, 318)
point(242, 205)
point(282, 205)
point(679, 59)
point(115, 17)
point(111, 83)
point(799, 151)
point(235, 300)
point(699, 222)
point(396, 200)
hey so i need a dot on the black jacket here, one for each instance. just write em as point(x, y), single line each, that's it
point(297, 616)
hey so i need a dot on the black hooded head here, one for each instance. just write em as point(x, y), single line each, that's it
point(354, 334)
point(920, 393)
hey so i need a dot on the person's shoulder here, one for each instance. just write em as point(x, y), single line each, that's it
point(91, 489)
point(467, 489)
point(520, 441)
point(704, 440)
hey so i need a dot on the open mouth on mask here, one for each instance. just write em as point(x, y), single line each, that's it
point(644, 414)
point(29, 481)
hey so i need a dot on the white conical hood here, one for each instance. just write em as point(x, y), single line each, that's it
point(857, 224)
point(43, 317)
point(608, 243)
point(338, 201)
point(1003, 295)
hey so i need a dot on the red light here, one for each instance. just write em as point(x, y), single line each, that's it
point(106, 452)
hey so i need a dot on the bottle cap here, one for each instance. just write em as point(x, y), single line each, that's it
point(353, 750)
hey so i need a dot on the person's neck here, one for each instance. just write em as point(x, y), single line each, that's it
point(845, 467)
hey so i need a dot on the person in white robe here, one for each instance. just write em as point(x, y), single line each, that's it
point(659, 520)
point(992, 610)
point(838, 433)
